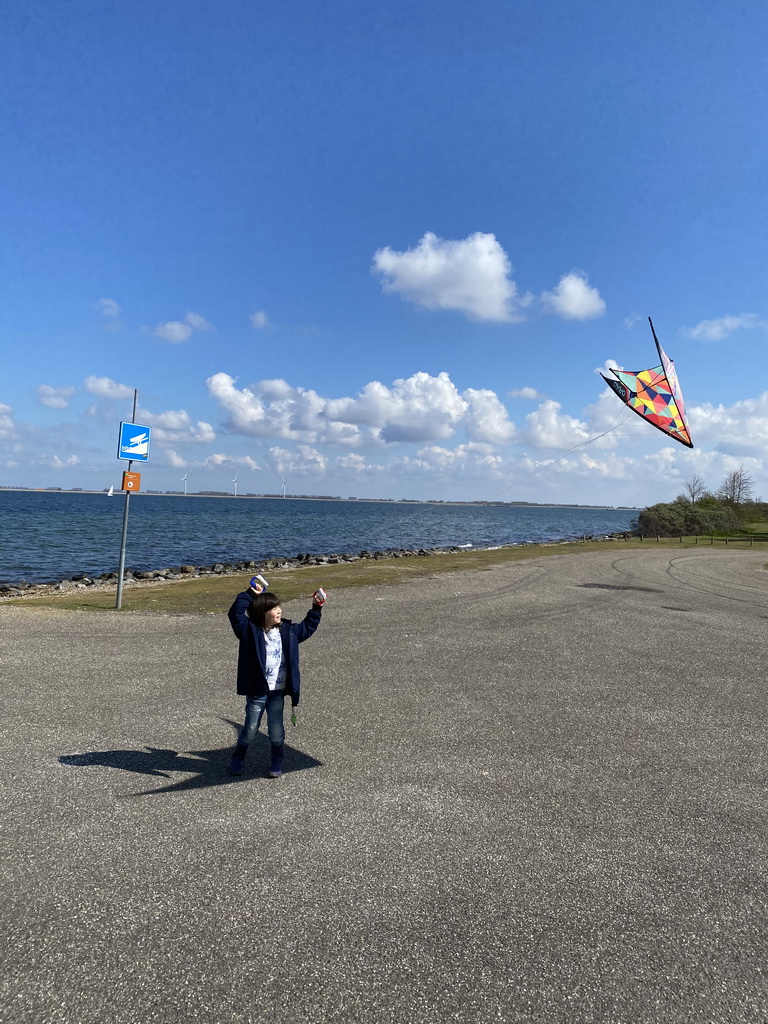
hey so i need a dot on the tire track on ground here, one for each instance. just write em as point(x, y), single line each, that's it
point(679, 567)
point(683, 565)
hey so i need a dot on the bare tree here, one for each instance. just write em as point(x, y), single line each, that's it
point(737, 486)
point(694, 488)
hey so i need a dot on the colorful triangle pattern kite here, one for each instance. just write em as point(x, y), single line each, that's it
point(655, 395)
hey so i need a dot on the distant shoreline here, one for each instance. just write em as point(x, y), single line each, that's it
point(321, 497)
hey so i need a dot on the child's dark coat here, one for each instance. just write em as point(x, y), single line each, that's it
point(251, 680)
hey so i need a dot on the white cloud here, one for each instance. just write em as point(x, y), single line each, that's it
point(608, 365)
point(173, 458)
point(57, 463)
point(589, 465)
point(418, 408)
point(356, 463)
point(197, 322)
point(609, 417)
point(247, 413)
point(549, 428)
point(109, 308)
point(486, 418)
point(631, 320)
point(174, 331)
point(54, 398)
point(259, 320)
point(178, 331)
point(303, 460)
point(104, 387)
point(275, 390)
point(673, 465)
point(574, 298)
point(272, 408)
point(579, 467)
point(740, 427)
point(529, 394)
point(176, 427)
point(471, 275)
point(722, 327)
point(477, 461)
point(233, 461)
point(6, 423)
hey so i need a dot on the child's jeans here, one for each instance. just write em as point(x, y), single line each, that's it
point(274, 702)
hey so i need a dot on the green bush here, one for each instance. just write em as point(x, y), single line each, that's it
point(681, 518)
point(752, 512)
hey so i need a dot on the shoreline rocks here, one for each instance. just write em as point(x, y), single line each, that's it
point(137, 577)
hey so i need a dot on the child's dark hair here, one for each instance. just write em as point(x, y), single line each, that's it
point(261, 604)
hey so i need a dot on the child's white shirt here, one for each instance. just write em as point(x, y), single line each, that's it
point(274, 667)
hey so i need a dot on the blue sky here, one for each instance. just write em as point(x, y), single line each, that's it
point(382, 251)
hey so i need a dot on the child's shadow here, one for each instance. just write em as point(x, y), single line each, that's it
point(210, 767)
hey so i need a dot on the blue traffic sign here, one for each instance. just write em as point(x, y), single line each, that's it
point(134, 442)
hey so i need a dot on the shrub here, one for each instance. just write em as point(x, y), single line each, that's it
point(682, 518)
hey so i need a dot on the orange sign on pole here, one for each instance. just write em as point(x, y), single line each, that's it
point(131, 482)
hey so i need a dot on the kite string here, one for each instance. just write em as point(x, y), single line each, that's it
point(582, 444)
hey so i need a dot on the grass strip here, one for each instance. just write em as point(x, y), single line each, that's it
point(214, 594)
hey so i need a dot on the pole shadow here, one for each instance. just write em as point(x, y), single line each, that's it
point(207, 767)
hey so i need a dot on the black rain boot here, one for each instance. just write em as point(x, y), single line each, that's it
point(236, 764)
point(276, 764)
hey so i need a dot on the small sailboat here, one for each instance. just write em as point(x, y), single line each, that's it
point(111, 491)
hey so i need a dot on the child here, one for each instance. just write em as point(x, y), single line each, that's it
point(267, 666)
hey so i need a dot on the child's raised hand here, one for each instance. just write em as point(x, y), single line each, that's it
point(258, 584)
point(319, 597)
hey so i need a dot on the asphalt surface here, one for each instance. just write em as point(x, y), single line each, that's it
point(530, 794)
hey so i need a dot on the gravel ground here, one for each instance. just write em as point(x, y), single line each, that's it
point(535, 793)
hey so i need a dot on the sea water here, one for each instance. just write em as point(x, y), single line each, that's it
point(52, 535)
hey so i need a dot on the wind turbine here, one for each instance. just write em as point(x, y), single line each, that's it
point(283, 486)
point(235, 483)
point(184, 481)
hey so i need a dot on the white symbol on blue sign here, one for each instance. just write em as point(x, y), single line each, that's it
point(134, 442)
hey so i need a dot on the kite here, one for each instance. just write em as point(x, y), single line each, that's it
point(655, 395)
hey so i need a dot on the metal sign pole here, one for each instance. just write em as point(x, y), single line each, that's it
point(121, 564)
